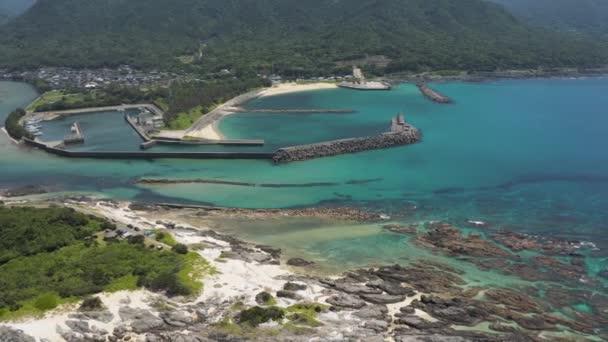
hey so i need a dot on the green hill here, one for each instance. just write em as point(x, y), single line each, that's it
point(587, 17)
point(289, 36)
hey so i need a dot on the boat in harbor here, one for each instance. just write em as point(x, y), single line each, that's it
point(359, 82)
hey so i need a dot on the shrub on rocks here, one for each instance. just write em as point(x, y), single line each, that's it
point(180, 249)
point(258, 315)
point(91, 304)
point(265, 298)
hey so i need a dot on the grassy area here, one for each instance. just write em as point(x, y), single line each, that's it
point(165, 237)
point(127, 282)
point(36, 307)
point(53, 96)
point(186, 119)
point(195, 267)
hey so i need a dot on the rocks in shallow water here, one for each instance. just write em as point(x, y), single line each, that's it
point(274, 252)
point(503, 327)
point(290, 286)
point(12, 335)
point(533, 323)
point(604, 274)
point(299, 262)
point(514, 300)
point(141, 320)
point(382, 298)
point(455, 310)
point(397, 228)
point(346, 301)
point(24, 191)
point(448, 239)
point(424, 278)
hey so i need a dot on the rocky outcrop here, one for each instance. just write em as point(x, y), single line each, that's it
point(353, 145)
point(444, 237)
point(11, 335)
point(299, 262)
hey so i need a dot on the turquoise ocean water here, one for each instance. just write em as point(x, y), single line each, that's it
point(525, 155)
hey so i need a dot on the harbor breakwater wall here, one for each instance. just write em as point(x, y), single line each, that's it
point(433, 94)
point(343, 146)
point(147, 155)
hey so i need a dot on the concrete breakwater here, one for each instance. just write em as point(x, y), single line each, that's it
point(152, 181)
point(147, 155)
point(343, 146)
point(165, 181)
point(433, 94)
point(290, 111)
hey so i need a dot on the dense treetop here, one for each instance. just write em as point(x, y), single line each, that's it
point(292, 37)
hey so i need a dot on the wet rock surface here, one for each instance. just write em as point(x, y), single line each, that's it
point(299, 262)
point(446, 238)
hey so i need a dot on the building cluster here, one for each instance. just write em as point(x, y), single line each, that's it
point(125, 76)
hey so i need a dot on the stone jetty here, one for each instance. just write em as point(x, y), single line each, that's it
point(433, 94)
point(401, 133)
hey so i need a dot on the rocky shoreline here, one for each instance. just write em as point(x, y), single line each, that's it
point(257, 294)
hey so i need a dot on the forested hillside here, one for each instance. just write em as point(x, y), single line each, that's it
point(292, 37)
point(586, 17)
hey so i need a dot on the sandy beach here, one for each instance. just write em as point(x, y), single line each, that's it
point(207, 126)
point(286, 88)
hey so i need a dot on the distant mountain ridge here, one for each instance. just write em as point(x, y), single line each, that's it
point(292, 37)
point(13, 8)
point(581, 16)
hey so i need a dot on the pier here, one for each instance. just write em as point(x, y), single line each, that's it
point(140, 130)
point(433, 94)
point(77, 137)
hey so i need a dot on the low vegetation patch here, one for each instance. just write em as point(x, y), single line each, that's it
point(50, 258)
point(165, 237)
point(13, 128)
point(258, 315)
point(306, 314)
point(265, 298)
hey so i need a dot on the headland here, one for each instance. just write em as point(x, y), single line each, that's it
point(262, 292)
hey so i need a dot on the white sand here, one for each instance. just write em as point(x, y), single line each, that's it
point(47, 326)
point(212, 131)
point(209, 132)
point(286, 88)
